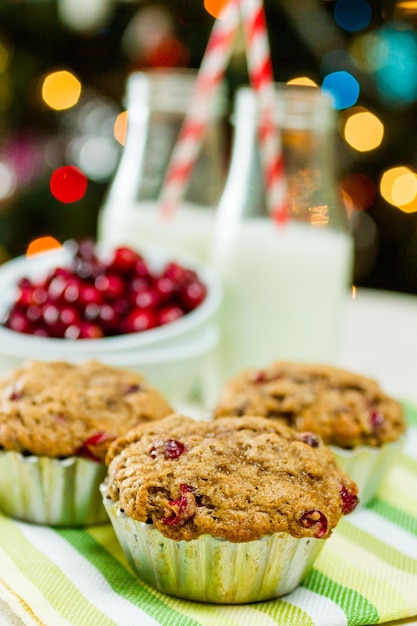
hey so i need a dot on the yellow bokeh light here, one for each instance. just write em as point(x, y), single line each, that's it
point(215, 7)
point(120, 127)
point(363, 131)
point(368, 52)
point(398, 186)
point(404, 189)
point(404, 9)
point(61, 90)
point(302, 81)
point(43, 245)
point(410, 207)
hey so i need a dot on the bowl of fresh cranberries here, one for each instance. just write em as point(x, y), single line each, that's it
point(87, 301)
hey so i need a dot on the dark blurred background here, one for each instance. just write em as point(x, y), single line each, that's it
point(99, 42)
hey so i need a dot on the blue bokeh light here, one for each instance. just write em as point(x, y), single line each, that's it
point(396, 71)
point(342, 88)
point(352, 15)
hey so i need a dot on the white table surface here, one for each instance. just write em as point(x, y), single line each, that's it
point(379, 339)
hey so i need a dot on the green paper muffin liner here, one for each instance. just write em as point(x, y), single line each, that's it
point(213, 570)
point(368, 465)
point(55, 492)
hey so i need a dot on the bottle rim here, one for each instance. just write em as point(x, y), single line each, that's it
point(295, 107)
point(170, 90)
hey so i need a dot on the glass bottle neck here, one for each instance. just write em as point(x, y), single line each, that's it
point(157, 102)
point(305, 120)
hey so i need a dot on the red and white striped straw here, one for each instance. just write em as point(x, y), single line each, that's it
point(209, 77)
point(262, 79)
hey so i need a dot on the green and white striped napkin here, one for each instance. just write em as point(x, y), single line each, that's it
point(366, 573)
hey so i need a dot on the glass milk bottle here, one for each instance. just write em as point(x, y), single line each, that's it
point(156, 104)
point(284, 285)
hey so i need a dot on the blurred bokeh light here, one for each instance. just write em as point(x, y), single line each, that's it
point(68, 184)
point(352, 15)
point(42, 245)
point(363, 130)
point(342, 87)
point(398, 186)
point(61, 90)
point(120, 127)
point(395, 63)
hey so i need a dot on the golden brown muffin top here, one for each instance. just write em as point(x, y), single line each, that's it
point(238, 479)
point(58, 409)
point(344, 408)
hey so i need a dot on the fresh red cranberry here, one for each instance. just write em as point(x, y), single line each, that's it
point(73, 332)
point(124, 259)
point(139, 283)
point(183, 508)
point(18, 321)
point(165, 287)
point(169, 314)
point(139, 320)
point(89, 330)
point(349, 501)
point(72, 290)
point(142, 269)
point(50, 314)
point(89, 294)
point(193, 294)
point(40, 295)
point(58, 272)
point(40, 331)
point(69, 315)
point(88, 270)
point(170, 449)
point(91, 312)
point(121, 306)
point(179, 274)
point(57, 287)
point(310, 439)
point(108, 318)
point(25, 295)
point(84, 249)
point(317, 519)
point(34, 312)
point(111, 286)
point(148, 298)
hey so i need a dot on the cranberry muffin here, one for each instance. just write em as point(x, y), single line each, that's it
point(350, 412)
point(198, 504)
point(56, 422)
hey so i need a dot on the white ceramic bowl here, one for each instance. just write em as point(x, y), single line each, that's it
point(176, 357)
point(18, 343)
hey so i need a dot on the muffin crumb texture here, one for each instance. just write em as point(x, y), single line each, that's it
point(57, 409)
point(236, 479)
point(344, 408)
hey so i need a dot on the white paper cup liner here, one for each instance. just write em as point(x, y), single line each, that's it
point(368, 465)
point(55, 492)
point(214, 570)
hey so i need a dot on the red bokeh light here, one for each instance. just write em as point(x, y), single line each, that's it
point(170, 52)
point(68, 184)
point(360, 189)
